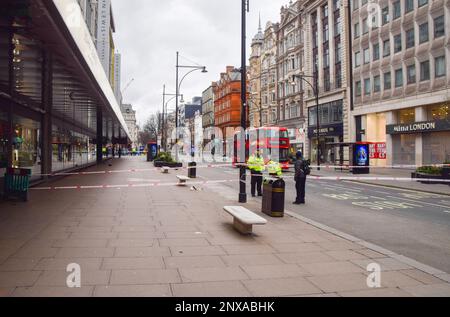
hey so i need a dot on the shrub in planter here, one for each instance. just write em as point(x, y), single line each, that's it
point(446, 170)
point(429, 170)
point(165, 159)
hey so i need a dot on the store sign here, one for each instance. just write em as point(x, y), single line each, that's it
point(419, 127)
point(377, 151)
point(329, 130)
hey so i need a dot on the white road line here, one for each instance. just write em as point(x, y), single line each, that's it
point(397, 189)
point(418, 201)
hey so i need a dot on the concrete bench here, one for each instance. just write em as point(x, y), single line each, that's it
point(182, 180)
point(244, 219)
point(165, 170)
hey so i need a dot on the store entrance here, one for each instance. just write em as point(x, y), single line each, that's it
point(329, 153)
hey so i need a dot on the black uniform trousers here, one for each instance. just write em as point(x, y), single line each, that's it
point(300, 186)
point(257, 181)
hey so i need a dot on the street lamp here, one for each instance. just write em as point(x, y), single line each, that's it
point(243, 170)
point(178, 86)
point(165, 111)
point(315, 89)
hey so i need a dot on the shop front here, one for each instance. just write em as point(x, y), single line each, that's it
point(330, 136)
point(331, 132)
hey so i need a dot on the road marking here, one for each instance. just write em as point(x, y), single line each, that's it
point(422, 202)
point(382, 205)
point(393, 188)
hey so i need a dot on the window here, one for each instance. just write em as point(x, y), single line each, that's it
point(337, 26)
point(376, 51)
point(356, 30)
point(411, 74)
point(387, 81)
point(367, 87)
point(338, 52)
point(366, 56)
point(410, 41)
point(386, 48)
point(355, 4)
point(358, 88)
point(423, 33)
point(326, 33)
point(376, 84)
point(336, 4)
point(385, 15)
point(439, 63)
point(422, 2)
point(365, 26)
point(338, 76)
point(409, 5)
point(425, 71)
point(439, 29)
point(357, 59)
point(399, 78)
point(397, 43)
point(397, 10)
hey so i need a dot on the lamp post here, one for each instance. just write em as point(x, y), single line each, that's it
point(178, 86)
point(164, 115)
point(243, 171)
point(315, 89)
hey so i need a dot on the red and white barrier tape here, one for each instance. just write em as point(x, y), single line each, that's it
point(314, 178)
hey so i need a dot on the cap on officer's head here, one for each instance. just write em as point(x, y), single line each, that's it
point(299, 155)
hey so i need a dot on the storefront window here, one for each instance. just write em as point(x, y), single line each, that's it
point(26, 144)
point(436, 148)
point(439, 112)
point(404, 152)
point(407, 116)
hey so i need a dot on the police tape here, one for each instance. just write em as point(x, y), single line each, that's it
point(212, 182)
point(237, 165)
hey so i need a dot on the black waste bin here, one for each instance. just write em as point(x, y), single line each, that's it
point(274, 197)
point(192, 170)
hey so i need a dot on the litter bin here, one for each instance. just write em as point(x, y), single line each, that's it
point(274, 197)
point(17, 183)
point(192, 170)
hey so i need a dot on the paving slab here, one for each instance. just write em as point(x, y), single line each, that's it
point(144, 277)
point(211, 289)
point(281, 287)
point(133, 291)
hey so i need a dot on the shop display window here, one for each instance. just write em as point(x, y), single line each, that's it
point(26, 147)
point(436, 148)
point(439, 112)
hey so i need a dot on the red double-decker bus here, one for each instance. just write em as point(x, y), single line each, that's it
point(272, 142)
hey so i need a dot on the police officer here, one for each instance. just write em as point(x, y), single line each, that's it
point(256, 165)
point(274, 168)
point(300, 179)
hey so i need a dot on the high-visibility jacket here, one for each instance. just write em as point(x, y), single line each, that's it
point(274, 168)
point(256, 164)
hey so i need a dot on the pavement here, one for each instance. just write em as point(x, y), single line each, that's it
point(145, 237)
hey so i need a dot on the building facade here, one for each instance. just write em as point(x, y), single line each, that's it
point(327, 59)
point(208, 122)
point(227, 107)
point(54, 116)
point(290, 62)
point(269, 75)
point(254, 77)
point(401, 81)
point(129, 115)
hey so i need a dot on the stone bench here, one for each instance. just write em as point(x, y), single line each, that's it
point(182, 180)
point(244, 219)
point(165, 170)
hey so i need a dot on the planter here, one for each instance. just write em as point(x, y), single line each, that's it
point(446, 173)
point(165, 164)
point(429, 176)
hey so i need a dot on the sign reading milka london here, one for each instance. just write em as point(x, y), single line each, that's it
point(419, 127)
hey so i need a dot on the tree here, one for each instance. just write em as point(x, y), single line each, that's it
point(151, 129)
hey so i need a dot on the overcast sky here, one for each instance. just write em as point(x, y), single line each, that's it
point(207, 32)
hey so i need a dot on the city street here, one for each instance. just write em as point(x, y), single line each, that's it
point(410, 223)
